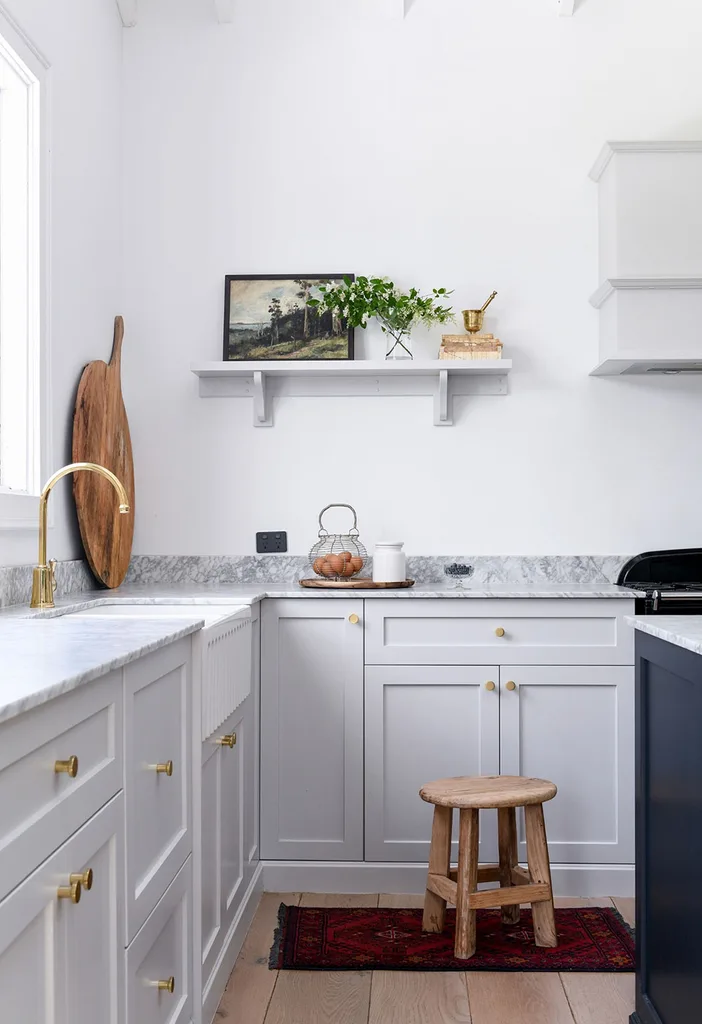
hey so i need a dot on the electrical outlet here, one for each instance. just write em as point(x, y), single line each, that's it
point(271, 543)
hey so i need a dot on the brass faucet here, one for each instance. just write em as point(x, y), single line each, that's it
point(44, 578)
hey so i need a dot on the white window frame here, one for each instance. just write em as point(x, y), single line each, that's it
point(26, 433)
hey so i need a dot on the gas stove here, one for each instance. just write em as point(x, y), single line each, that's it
point(671, 581)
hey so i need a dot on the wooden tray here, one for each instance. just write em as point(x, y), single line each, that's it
point(360, 583)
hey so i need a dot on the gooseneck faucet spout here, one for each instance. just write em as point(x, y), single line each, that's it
point(43, 579)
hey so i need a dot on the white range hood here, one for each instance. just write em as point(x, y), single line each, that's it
point(650, 299)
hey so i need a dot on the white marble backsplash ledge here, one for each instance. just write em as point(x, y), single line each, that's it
point(247, 570)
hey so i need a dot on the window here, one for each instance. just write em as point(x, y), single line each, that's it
point(20, 300)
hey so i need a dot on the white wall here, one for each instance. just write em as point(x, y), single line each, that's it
point(449, 149)
point(82, 41)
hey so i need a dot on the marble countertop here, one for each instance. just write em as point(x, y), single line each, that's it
point(251, 593)
point(681, 630)
point(41, 659)
point(46, 653)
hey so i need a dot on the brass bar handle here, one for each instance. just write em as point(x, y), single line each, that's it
point(69, 767)
point(499, 631)
point(353, 619)
point(166, 986)
point(69, 892)
point(490, 685)
point(227, 741)
point(85, 880)
point(165, 769)
point(511, 685)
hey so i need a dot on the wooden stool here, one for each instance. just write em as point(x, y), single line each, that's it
point(470, 794)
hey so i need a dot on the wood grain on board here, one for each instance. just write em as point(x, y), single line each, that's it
point(101, 435)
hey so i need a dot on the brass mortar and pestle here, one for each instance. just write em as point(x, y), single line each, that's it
point(473, 318)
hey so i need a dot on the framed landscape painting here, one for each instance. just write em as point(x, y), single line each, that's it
point(266, 316)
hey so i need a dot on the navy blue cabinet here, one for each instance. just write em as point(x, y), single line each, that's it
point(668, 833)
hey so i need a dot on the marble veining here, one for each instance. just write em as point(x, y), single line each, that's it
point(681, 630)
point(16, 581)
point(265, 569)
point(222, 570)
point(41, 659)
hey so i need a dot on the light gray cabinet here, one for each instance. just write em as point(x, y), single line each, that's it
point(424, 722)
point(574, 724)
point(312, 730)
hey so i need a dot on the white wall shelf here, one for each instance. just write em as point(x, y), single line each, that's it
point(441, 379)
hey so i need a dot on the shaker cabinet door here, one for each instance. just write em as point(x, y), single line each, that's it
point(61, 961)
point(425, 723)
point(312, 730)
point(574, 725)
point(222, 857)
point(157, 775)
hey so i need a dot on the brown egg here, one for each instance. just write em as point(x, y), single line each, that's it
point(318, 566)
point(326, 569)
point(348, 570)
point(335, 563)
point(346, 555)
point(357, 563)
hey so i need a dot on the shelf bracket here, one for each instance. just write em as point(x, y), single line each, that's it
point(441, 401)
point(127, 12)
point(225, 11)
point(261, 413)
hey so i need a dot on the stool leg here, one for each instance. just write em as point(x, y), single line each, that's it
point(466, 883)
point(540, 871)
point(439, 864)
point(509, 857)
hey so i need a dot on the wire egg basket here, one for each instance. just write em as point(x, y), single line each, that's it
point(338, 556)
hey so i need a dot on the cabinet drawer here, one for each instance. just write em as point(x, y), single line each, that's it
point(163, 950)
point(157, 775)
point(59, 960)
point(41, 807)
point(566, 631)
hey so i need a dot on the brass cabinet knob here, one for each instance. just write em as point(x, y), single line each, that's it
point(511, 685)
point(227, 741)
point(85, 880)
point(69, 892)
point(353, 618)
point(165, 769)
point(166, 986)
point(499, 631)
point(490, 685)
point(69, 767)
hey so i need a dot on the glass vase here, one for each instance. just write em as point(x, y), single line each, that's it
point(399, 347)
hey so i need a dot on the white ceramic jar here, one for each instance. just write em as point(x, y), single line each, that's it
point(389, 562)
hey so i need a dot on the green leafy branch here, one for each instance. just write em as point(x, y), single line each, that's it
point(396, 311)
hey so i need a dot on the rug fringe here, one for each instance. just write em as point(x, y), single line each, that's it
point(274, 958)
point(631, 932)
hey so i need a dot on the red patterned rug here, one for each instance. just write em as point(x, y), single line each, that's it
point(378, 939)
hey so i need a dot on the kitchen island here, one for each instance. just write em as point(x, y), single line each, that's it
point(668, 819)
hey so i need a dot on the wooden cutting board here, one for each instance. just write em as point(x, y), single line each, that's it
point(101, 434)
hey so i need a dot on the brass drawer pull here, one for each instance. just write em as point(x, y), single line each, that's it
point(69, 767)
point(69, 892)
point(511, 685)
point(85, 880)
point(499, 631)
point(490, 685)
point(165, 769)
point(227, 741)
point(353, 618)
point(166, 986)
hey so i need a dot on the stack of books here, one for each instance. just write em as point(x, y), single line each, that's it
point(470, 346)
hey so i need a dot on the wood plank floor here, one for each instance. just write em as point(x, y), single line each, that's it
point(256, 995)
